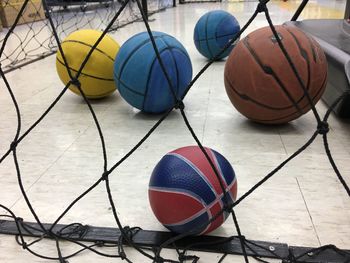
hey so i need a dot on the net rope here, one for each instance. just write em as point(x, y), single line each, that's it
point(127, 233)
point(33, 38)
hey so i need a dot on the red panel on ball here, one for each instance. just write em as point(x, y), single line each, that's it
point(196, 156)
point(215, 209)
point(172, 207)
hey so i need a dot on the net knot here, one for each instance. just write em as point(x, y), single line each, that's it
point(75, 82)
point(262, 6)
point(13, 145)
point(291, 258)
point(24, 245)
point(159, 259)
point(131, 231)
point(75, 229)
point(49, 233)
point(122, 255)
point(99, 243)
point(105, 175)
point(323, 128)
point(179, 105)
point(183, 257)
point(227, 208)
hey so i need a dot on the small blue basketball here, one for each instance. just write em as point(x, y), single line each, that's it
point(213, 31)
point(139, 77)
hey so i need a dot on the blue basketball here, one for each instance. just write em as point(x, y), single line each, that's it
point(213, 31)
point(139, 77)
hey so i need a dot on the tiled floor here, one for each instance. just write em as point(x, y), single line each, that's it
point(304, 204)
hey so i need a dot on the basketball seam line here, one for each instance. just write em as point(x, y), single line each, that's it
point(310, 42)
point(227, 186)
point(243, 96)
point(265, 106)
point(315, 60)
point(226, 16)
point(256, 58)
point(151, 68)
point(180, 191)
point(85, 44)
point(154, 60)
point(132, 90)
point(234, 34)
point(212, 38)
point(312, 48)
point(246, 97)
point(177, 70)
point(82, 73)
point(201, 212)
point(126, 86)
point(287, 116)
point(206, 35)
point(190, 164)
point(218, 196)
point(199, 43)
point(218, 199)
point(206, 207)
point(189, 194)
point(307, 87)
point(126, 60)
point(228, 189)
point(217, 166)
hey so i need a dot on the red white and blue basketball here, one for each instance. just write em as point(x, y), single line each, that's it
point(140, 78)
point(213, 31)
point(185, 193)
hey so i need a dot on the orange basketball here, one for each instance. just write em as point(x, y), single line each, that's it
point(261, 84)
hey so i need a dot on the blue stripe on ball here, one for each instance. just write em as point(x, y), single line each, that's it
point(192, 182)
point(225, 167)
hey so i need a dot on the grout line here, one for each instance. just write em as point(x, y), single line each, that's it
point(56, 160)
point(206, 116)
point(36, 93)
point(284, 146)
point(308, 211)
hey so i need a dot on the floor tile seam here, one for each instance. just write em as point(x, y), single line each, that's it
point(308, 211)
point(51, 165)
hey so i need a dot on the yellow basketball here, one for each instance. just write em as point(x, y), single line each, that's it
point(97, 75)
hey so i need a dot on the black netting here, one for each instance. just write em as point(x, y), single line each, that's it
point(127, 233)
point(33, 39)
